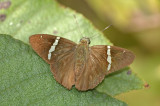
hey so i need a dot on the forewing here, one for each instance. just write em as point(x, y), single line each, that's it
point(97, 65)
point(120, 58)
point(62, 56)
point(41, 44)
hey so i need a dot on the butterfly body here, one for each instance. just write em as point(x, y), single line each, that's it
point(78, 64)
point(81, 55)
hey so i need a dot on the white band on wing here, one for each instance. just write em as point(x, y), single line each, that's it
point(53, 47)
point(109, 57)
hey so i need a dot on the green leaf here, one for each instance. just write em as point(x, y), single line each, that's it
point(24, 74)
point(26, 79)
point(121, 81)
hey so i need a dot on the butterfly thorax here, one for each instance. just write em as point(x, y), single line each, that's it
point(82, 53)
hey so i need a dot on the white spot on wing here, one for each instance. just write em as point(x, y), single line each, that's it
point(108, 47)
point(53, 47)
point(56, 42)
point(58, 38)
point(49, 56)
point(109, 67)
point(108, 52)
point(109, 60)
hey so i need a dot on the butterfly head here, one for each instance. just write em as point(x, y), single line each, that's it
point(85, 40)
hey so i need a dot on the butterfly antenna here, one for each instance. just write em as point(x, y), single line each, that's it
point(78, 25)
point(101, 31)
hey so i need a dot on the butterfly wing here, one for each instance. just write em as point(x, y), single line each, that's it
point(97, 65)
point(41, 44)
point(61, 57)
point(120, 58)
point(60, 54)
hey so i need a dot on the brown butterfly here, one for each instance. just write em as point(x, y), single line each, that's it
point(78, 64)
